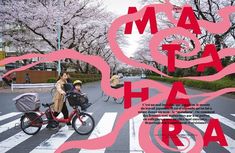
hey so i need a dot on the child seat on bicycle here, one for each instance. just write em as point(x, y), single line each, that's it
point(77, 98)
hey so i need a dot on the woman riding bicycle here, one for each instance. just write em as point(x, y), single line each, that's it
point(115, 81)
point(58, 99)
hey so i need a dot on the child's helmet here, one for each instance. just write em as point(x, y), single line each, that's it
point(77, 82)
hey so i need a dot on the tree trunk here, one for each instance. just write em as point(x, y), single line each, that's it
point(79, 68)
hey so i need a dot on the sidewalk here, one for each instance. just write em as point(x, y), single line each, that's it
point(37, 90)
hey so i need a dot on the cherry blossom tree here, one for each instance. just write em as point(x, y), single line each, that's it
point(204, 9)
point(40, 25)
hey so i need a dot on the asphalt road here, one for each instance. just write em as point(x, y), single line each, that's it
point(12, 139)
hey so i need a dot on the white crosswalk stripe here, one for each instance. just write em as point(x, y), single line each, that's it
point(203, 128)
point(223, 120)
point(183, 140)
point(104, 127)
point(134, 125)
point(9, 125)
point(54, 141)
point(14, 140)
point(17, 139)
point(9, 115)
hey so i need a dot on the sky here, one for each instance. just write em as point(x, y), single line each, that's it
point(120, 7)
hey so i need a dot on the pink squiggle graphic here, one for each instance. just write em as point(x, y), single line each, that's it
point(107, 140)
point(146, 143)
point(58, 55)
point(145, 140)
point(150, 149)
point(230, 69)
point(138, 85)
point(127, 18)
point(198, 138)
point(62, 54)
point(159, 36)
point(152, 100)
point(100, 64)
point(180, 42)
point(103, 142)
point(221, 26)
point(128, 113)
point(157, 56)
point(210, 94)
point(118, 54)
point(27, 56)
point(162, 59)
point(21, 69)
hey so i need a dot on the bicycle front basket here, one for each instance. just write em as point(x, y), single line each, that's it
point(76, 99)
point(27, 102)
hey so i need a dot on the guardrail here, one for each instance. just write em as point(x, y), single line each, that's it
point(30, 86)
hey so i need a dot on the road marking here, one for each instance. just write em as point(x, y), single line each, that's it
point(9, 125)
point(203, 127)
point(223, 120)
point(56, 140)
point(104, 127)
point(16, 139)
point(13, 141)
point(183, 133)
point(6, 116)
point(134, 125)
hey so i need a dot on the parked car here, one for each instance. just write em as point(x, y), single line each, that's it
point(120, 75)
point(143, 76)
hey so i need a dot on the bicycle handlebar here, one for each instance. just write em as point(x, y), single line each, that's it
point(47, 104)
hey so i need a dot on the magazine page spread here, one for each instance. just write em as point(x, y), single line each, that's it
point(87, 76)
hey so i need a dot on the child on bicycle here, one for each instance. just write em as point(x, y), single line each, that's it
point(77, 86)
point(77, 89)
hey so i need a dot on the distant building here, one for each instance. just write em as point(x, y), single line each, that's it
point(11, 50)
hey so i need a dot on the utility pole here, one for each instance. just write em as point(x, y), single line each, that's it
point(59, 35)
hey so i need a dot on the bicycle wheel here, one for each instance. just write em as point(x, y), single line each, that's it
point(83, 124)
point(4, 85)
point(119, 101)
point(31, 123)
point(105, 98)
point(53, 90)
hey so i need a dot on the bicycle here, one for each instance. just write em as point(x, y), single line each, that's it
point(52, 92)
point(106, 98)
point(31, 122)
point(4, 85)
